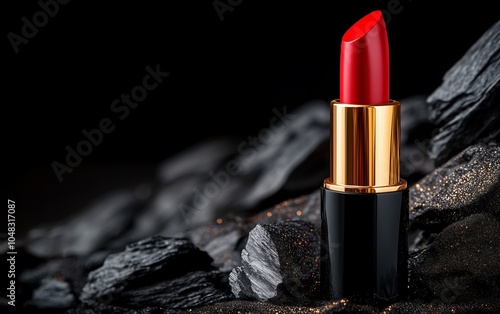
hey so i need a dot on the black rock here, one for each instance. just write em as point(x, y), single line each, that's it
point(462, 265)
point(279, 264)
point(53, 293)
point(469, 183)
point(465, 108)
point(191, 290)
point(225, 239)
point(144, 262)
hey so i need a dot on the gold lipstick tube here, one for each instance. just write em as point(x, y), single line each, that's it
point(364, 205)
point(364, 150)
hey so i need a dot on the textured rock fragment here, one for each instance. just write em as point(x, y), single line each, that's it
point(465, 108)
point(279, 264)
point(468, 183)
point(191, 290)
point(146, 261)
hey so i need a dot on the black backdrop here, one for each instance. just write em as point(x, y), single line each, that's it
point(226, 75)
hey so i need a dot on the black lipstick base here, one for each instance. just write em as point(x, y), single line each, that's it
point(364, 245)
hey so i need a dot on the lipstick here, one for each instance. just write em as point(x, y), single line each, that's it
point(364, 202)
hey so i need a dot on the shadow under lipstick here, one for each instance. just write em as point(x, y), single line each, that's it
point(364, 202)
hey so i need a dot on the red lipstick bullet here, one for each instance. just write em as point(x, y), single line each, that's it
point(364, 62)
point(364, 202)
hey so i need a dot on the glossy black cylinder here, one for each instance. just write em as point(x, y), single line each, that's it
point(364, 245)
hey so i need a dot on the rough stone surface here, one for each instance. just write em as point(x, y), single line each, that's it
point(191, 290)
point(279, 264)
point(145, 261)
point(465, 107)
point(468, 183)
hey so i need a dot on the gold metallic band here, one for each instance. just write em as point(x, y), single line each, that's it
point(364, 148)
point(364, 189)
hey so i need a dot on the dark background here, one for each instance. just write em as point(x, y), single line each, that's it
point(225, 78)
